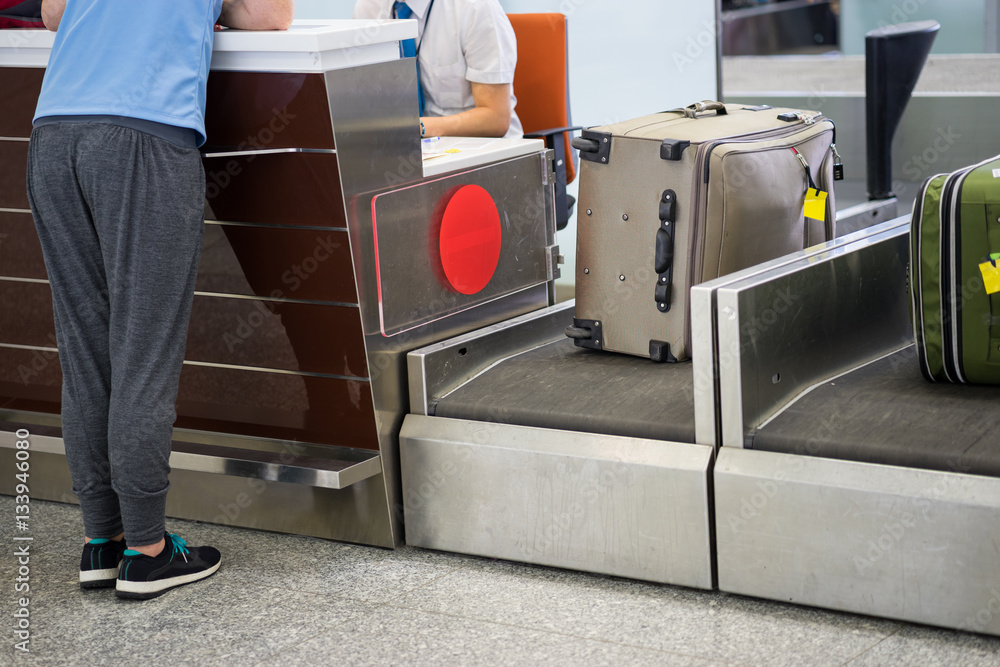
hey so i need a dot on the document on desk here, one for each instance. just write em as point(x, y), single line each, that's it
point(435, 147)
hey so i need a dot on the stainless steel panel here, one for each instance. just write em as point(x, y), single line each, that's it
point(713, 362)
point(378, 148)
point(355, 514)
point(914, 545)
point(704, 359)
point(290, 462)
point(411, 281)
point(437, 369)
point(782, 331)
point(621, 506)
point(868, 214)
point(358, 514)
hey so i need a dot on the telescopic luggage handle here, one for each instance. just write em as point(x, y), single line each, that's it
point(692, 110)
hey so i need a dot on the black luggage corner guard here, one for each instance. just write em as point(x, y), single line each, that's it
point(672, 149)
point(659, 351)
point(593, 146)
point(586, 333)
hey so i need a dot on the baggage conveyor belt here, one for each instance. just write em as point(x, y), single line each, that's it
point(886, 412)
point(522, 446)
point(561, 386)
point(845, 480)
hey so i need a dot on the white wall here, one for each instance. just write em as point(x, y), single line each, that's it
point(627, 58)
point(323, 9)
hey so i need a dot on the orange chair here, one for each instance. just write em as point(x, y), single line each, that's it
point(541, 85)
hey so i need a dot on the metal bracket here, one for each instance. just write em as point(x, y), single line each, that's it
point(594, 146)
point(586, 333)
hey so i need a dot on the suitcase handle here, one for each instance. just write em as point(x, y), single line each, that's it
point(692, 110)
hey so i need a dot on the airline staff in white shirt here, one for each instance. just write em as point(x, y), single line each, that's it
point(466, 54)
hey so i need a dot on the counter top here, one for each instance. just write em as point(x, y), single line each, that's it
point(447, 154)
point(308, 46)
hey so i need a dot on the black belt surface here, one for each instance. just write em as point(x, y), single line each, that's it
point(562, 386)
point(886, 412)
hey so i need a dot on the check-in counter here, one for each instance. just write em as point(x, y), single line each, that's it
point(333, 245)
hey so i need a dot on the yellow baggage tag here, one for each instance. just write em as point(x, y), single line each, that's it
point(991, 276)
point(815, 207)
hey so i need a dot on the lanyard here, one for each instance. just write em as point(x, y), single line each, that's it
point(426, 19)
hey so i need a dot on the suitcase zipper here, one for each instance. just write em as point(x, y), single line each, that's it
point(746, 138)
point(916, 276)
point(704, 153)
point(951, 269)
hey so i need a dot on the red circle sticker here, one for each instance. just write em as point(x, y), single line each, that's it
point(470, 239)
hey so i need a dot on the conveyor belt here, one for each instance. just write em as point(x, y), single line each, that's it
point(562, 386)
point(886, 412)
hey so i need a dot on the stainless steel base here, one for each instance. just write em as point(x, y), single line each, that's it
point(357, 513)
point(902, 543)
point(620, 506)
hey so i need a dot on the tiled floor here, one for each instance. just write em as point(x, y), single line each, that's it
point(286, 600)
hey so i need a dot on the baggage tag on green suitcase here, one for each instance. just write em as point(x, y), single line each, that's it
point(991, 274)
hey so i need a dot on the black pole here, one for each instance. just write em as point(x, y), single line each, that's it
point(894, 58)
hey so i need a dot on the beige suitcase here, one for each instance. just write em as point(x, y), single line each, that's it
point(677, 198)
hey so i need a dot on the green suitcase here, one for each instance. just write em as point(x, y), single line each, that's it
point(955, 275)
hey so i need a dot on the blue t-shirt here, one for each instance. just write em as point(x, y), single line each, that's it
point(145, 59)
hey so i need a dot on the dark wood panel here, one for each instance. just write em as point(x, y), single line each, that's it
point(313, 265)
point(269, 334)
point(13, 174)
point(277, 188)
point(274, 405)
point(26, 314)
point(268, 110)
point(256, 404)
point(20, 251)
point(30, 380)
point(20, 86)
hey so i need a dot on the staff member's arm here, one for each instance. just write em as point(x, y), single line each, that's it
point(52, 11)
point(489, 118)
point(257, 14)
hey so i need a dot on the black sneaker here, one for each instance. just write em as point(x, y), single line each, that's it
point(143, 577)
point(99, 563)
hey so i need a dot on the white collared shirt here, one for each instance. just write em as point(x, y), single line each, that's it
point(463, 41)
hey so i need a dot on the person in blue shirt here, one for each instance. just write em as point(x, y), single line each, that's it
point(117, 189)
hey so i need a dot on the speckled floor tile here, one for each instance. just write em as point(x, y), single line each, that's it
point(214, 622)
point(334, 568)
point(300, 600)
point(921, 645)
point(395, 636)
point(710, 625)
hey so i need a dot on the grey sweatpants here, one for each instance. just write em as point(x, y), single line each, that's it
point(120, 217)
